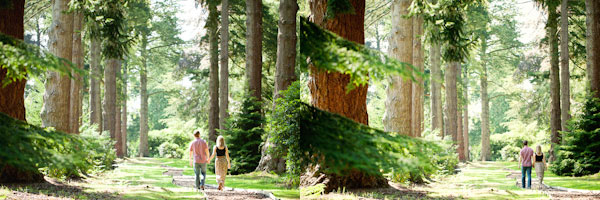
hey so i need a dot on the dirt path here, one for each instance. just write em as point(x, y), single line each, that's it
point(552, 192)
point(211, 191)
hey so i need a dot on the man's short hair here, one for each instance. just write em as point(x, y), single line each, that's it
point(197, 133)
point(524, 142)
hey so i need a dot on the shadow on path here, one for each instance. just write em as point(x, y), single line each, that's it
point(52, 189)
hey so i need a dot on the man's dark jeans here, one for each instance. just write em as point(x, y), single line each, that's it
point(523, 171)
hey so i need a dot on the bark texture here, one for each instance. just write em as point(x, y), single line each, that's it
point(124, 113)
point(284, 74)
point(485, 106)
point(459, 120)
point(224, 82)
point(436, 89)
point(417, 91)
point(12, 101)
point(110, 96)
point(593, 45)
point(12, 96)
point(213, 84)
point(328, 92)
point(76, 82)
point(398, 113)
point(143, 148)
point(451, 100)
point(254, 47)
point(565, 95)
point(555, 124)
point(95, 82)
point(56, 108)
point(119, 95)
point(466, 112)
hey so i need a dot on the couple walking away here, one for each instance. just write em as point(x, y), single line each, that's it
point(525, 161)
point(200, 157)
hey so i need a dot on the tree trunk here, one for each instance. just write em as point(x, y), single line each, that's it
point(12, 101)
point(417, 90)
point(436, 89)
point(284, 74)
point(110, 96)
point(56, 109)
point(76, 82)
point(143, 147)
point(254, 47)
point(124, 113)
point(593, 45)
point(451, 100)
point(398, 113)
point(12, 96)
point(328, 92)
point(555, 124)
point(466, 113)
point(224, 82)
point(95, 81)
point(459, 119)
point(213, 113)
point(565, 98)
point(485, 108)
point(118, 137)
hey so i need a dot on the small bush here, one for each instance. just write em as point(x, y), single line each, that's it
point(170, 150)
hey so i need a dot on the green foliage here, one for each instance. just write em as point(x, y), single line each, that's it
point(312, 191)
point(579, 153)
point(328, 51)
point(284, 130)
point(31, 148)
point(243, 136)
point(21, 60)
point(338, 7)
point(171, 142)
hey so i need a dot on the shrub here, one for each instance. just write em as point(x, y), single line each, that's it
point(579, 153)
point(243, 135)
point(170, 150)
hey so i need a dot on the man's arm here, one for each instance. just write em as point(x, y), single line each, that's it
point(520, 158)
point(191, 158)
point(206, 151)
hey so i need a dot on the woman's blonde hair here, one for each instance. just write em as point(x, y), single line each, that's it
point(220, 141)
point(538, 149)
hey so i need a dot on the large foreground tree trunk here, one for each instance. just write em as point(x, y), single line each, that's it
point(143, 147)
point(284, 74)
point(76, 82)
point(110, 96)
point(451, 100)
point(224, 82)
point(12, 96)
point(417, 90)
point(56, 109)
point(95, 81)
point(555, 124)
point(436, 89)
point(398, 112)
point(593, 45)
point(485, 105)
point(213, 85)
point(254, 47)
point(118, 137)
point(12, 99)
point(328, 92)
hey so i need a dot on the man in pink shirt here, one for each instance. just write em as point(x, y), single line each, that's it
point(199, 156)
point(525, 163)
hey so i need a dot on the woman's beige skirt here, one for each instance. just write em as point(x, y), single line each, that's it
point(221, 168)
point(539, 171)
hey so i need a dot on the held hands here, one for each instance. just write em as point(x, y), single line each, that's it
point(228, 165)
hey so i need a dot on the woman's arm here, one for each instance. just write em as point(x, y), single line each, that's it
point(213, 154)
point(227, 155)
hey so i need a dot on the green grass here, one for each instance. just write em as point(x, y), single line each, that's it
point(133, 175)
point(591, 182)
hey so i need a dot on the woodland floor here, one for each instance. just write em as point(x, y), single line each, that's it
point(145, 178)
point(481, 180)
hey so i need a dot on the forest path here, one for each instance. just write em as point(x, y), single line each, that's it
point(553, 192)
point(211, 191)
